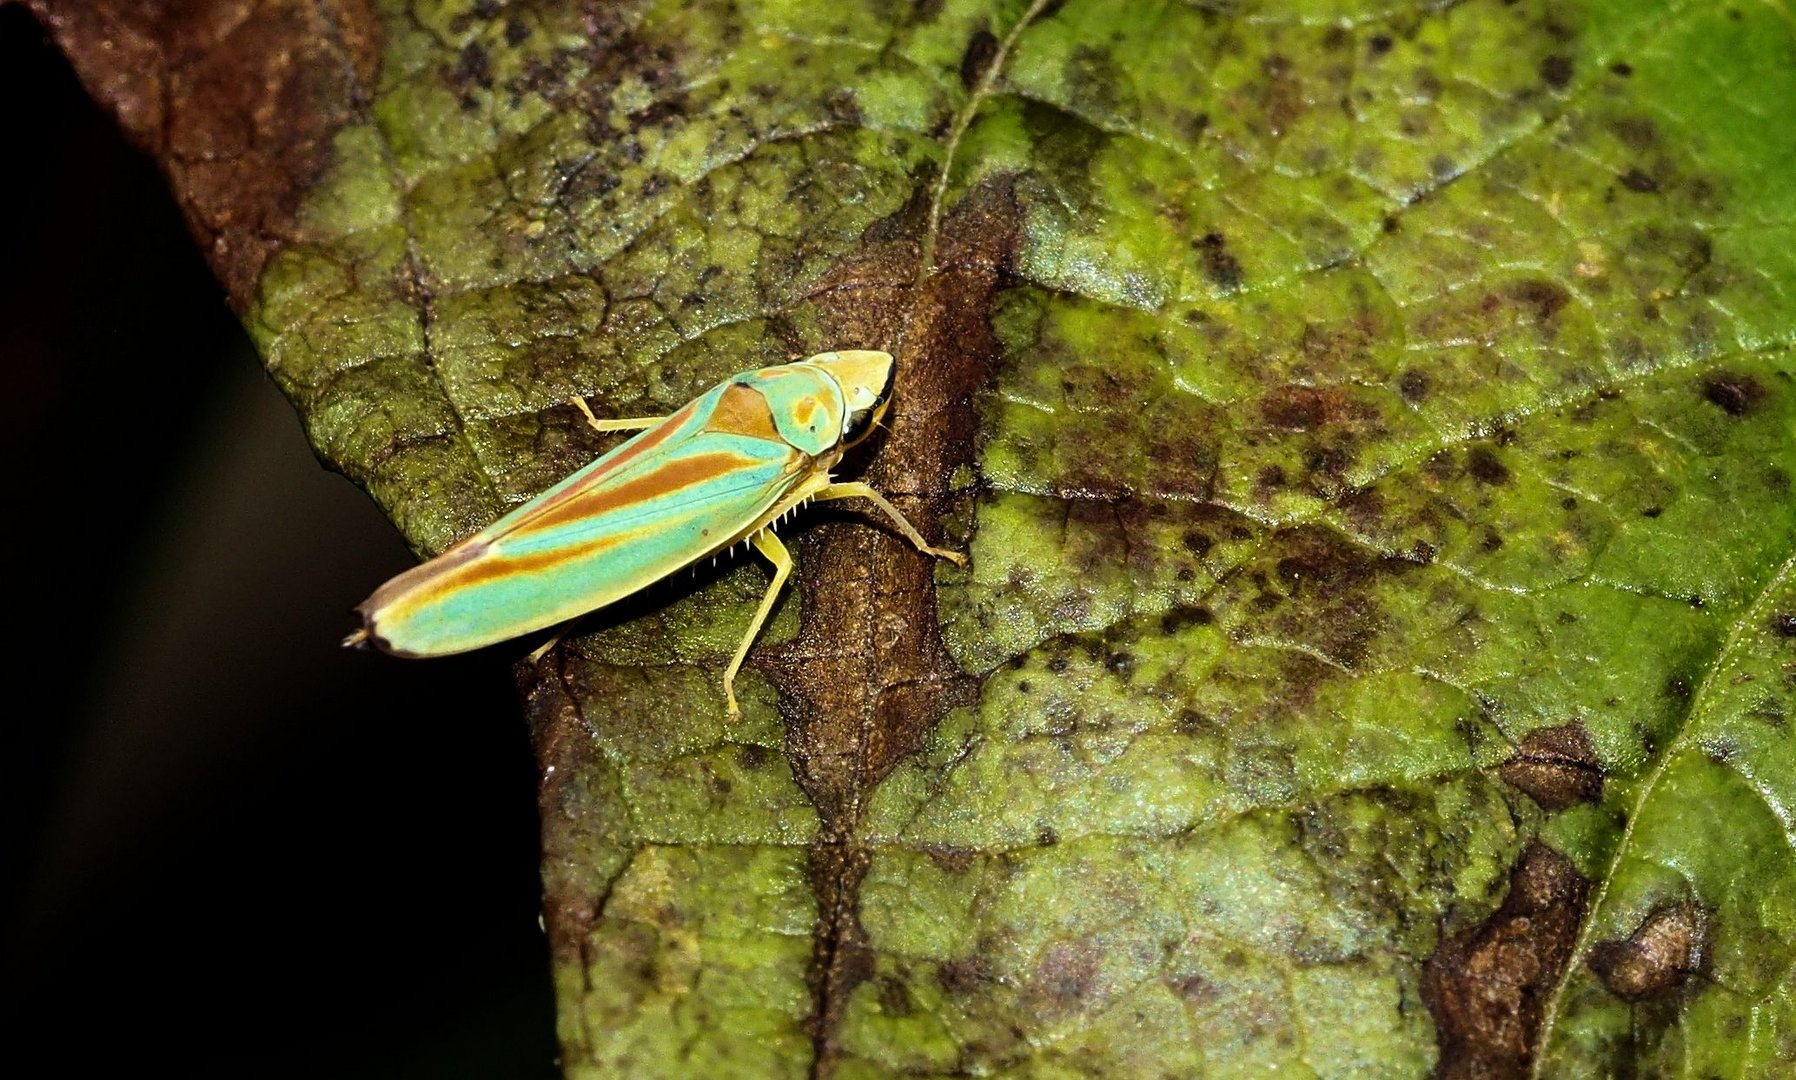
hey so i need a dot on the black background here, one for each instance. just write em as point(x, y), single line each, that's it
point(230, 847)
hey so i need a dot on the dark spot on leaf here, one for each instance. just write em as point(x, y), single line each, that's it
point(1783, 624)
point(1439, 466)
point(1662, 952)
point(516, 31)
point(1066, 973)
point(1485, 986)
point(954, 860)
point(1638, 132)
point(981, 49)
point(894, 998)
point(473, 68)
point(1482, 463)
point(1379, 44)
point(755, 757)
point(965, 975)
point(1195, 989)
point(1327, 469)
point(1413, 385)
point(1556, 71)
point(1179, 618)
point(1190, 721)
point(1121, 664)
point(1196, 543)
point(1635, 180)
point(1222, 268)
point(1735, 393)
point(1058, 663)
point(1652, 511)
point(1544, 298)
point(1678, 688)
point(1622, 68)
point(1556, 767)
point(1024, 686)
point(1046, 836)
point(1568, 503)
point(1298, 408)
point(1491, 541)
point(1271, 477)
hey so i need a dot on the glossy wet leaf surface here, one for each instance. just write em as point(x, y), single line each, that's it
point(1372, 425)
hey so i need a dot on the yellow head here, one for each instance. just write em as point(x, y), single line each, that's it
point(865, 376)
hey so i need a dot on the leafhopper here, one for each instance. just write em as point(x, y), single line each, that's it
point(722, 470)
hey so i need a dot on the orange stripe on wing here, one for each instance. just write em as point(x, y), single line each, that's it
point(649, 439)
point(670, 478)
point(476, 571)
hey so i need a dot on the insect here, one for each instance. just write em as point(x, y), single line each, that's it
point(722, 470)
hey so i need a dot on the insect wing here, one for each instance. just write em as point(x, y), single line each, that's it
point(668, 497)
point(633, 454)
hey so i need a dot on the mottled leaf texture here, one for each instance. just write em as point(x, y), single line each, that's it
point(1372, 424)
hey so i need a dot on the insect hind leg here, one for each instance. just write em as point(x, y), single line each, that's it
point(858, 490)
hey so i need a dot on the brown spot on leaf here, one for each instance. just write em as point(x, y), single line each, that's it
point(981, 50)
point(895, 999)
point(1635, 180)
point(1300, 408)
point(1540, 297)
point(1413, 385)
point(1783, 624)
point(964, 975)
point(1735, 393)
point(1195, 989)
point(1657, 958)
point(1556, 767)
point(1485, 986)
point(472, 68)
point(1221, 267)
point(1485, 467)
point(1556, 71)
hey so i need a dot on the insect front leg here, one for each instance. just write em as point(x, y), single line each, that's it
point(858, 490)
point(769, 545)
point(634, 423)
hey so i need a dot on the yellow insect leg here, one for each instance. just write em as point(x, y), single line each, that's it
point(769, 545)
point(634, 423)
point(858, 490)
point(542, 650)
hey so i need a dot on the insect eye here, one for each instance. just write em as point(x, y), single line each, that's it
point(861, 421)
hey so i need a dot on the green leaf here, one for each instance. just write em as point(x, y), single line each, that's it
point(1372, 425)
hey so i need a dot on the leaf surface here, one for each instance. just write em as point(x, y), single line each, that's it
point(1372, 425)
